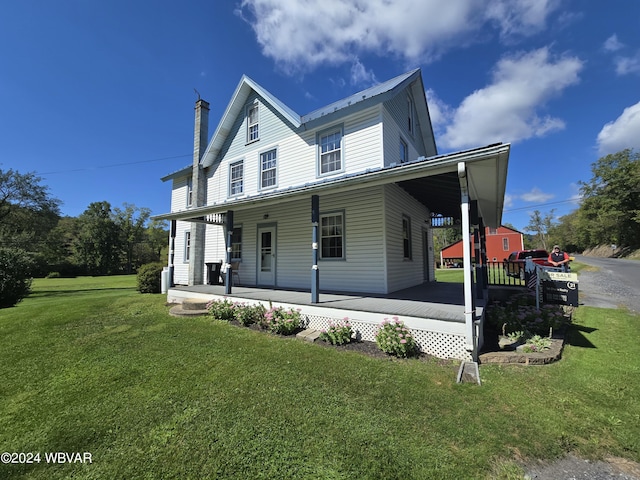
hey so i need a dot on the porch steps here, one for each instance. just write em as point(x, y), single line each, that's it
point(309, 335)
point(190, 307)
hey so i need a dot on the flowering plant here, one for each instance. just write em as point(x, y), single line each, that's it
point(248, 314)
point(281, 321)
point(338, 333)
point(222, 309)
point(395, 339)
point(519, 314)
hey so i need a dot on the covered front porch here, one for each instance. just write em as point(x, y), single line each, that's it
point(434, 312)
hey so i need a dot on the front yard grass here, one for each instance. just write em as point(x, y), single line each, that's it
point(90, 365)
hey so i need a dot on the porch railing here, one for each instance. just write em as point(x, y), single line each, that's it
point(500, 273)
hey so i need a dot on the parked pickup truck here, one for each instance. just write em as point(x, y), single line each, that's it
point(514, 265)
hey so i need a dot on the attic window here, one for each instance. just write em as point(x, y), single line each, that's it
point(252, 123)
point(410, 115)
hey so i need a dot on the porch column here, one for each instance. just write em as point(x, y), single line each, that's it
point(172, 251)
point(315, 273)
point(229, 233)
point(469, 305)
point(483, 253)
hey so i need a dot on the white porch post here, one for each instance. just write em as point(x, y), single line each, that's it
point(469, 305)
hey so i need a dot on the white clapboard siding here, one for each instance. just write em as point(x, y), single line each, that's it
point(181, 268)
point(403, 273)
point(179, 194)
point(392, 134)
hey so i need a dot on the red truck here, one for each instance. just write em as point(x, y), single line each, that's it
point(514, 264)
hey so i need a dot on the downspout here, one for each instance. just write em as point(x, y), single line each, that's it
point(469, 307)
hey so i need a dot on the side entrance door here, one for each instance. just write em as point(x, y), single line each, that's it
point(267, 256)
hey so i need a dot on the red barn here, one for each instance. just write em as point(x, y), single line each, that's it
point(500, 242)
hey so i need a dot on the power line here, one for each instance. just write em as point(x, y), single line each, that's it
point(570, 200)
point(97, 167)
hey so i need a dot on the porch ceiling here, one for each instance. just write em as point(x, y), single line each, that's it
point(440, 193)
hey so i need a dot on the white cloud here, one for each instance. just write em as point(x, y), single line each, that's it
point(300, 36)
point(625, 65)
point(622, 132)
point(612, 44)
point(520, 17)
point(440, 113)
point(536, 196)
point(360, 75)
point(508, 109)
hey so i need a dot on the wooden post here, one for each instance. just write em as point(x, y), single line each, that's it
point(228, 274)
point(315, 273)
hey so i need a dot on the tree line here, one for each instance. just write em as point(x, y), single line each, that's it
point(37, 240)
point(609, 211)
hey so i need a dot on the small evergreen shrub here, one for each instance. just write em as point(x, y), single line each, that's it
point(16, 267)
point(338, 333)
point(149, 277)
point(396, 339)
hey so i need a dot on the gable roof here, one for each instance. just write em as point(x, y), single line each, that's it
point(376, 94)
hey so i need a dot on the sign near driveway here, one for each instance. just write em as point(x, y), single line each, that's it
point(559, 288)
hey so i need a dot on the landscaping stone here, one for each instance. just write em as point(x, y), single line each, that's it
point(309, 335)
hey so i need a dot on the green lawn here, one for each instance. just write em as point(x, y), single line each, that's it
point(90, 365)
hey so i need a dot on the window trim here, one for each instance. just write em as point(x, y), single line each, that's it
point(187, 247)
point(343, 236)
point(407, 247)
point(404, 147)
point(326, 133)
point(505, 244)
point(261, 185)
point(411, 117)
point(232, 165)
point(235, 258)
point(189, 191)
point(254, 105)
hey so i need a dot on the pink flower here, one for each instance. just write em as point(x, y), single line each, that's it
point(403, 341)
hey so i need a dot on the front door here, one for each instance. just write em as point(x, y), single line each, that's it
point(267, 256)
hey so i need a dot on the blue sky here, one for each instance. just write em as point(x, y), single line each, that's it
point(97, 97)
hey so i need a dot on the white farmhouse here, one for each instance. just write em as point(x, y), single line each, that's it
point(338, 201)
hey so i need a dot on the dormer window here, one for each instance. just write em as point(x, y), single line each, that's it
point(252, 123)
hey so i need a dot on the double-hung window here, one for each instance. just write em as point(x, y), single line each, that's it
point(332, 236)
point(406, 238)
point(330, 146)
point(236, 244)
point(236, 178)
point(253, 133)
point(268, 168)
point(189, 191)
point(187, 245)
point(505, 244)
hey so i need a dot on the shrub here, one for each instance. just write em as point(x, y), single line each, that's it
point(53, 275)
point(338, 333)
point(519, 314)
point(281, 321)
point(536, 344)
point(395, 339)
point(224, 310)
point(149, 277)
point(16, 266)
point(249, 314)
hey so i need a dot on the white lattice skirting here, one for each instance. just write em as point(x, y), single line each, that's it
point(440, 338)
